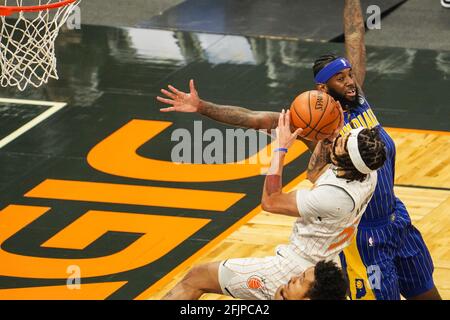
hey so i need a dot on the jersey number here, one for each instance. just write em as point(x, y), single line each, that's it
point(346, 235)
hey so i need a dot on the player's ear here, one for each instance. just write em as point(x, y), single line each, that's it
point(322, 87)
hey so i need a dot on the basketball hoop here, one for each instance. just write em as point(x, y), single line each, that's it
point(28, 32)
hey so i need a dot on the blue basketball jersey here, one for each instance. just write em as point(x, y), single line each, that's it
point(386, 240)
point(384, 201)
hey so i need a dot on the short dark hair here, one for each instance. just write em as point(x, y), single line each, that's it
point(373, 153)
point(329, 283)
point(322, 61)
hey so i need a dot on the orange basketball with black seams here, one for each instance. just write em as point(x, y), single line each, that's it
point(317, 113)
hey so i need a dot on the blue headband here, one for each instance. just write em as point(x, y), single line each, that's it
point(331, 69)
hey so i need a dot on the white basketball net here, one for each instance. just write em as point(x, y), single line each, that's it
point(27, 43)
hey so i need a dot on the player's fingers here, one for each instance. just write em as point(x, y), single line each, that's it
point(280, 119)
point(192, 86)
point(168, 93)
point(166, 101)
point(176, 91)
point(169, 109)
point(298, 132)
point(287, 118)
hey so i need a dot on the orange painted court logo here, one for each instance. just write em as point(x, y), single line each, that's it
point(255, 282)
point(94, 210)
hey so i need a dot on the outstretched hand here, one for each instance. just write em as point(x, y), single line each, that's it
point(180, 101)
point(284, 135)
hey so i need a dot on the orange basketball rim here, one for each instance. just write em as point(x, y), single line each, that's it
point(9, 10)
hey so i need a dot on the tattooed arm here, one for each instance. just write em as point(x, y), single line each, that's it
point(239, 117)
point(318, 162)
point(354, 39)
point(273, 198)
point(190, 102)
point(246, 118)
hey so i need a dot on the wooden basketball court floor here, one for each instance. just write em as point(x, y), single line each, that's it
point(428, 206)
point(88, 189)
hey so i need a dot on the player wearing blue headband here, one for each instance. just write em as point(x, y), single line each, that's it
point(388, 256)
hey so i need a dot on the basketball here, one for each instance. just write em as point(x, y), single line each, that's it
point(317, 113)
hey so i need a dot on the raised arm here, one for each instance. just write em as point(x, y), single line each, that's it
point(354, 39)
point(273, 198)
point(236, 116)
point(241, 117)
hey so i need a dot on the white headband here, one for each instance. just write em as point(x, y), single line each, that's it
point(353, 151)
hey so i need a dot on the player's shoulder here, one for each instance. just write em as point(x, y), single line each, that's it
point(332, 187)
point(333, 199)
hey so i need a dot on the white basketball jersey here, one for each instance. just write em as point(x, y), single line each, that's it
point(323, 235)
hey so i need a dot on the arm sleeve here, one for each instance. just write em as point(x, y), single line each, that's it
point(324, 201)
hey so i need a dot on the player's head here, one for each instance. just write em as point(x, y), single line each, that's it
point(325, 281)
point(358, 153)
point(333, 74)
